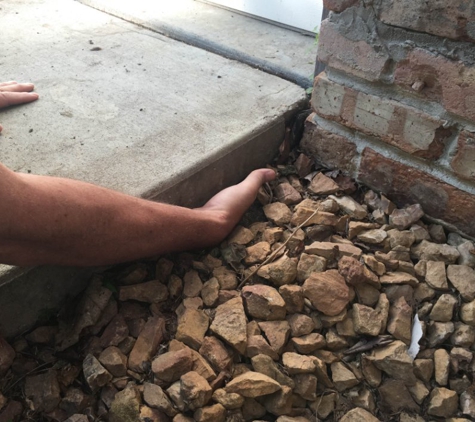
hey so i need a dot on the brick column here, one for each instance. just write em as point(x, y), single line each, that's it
point(395, 107)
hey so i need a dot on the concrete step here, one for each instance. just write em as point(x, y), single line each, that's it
point(127, 108)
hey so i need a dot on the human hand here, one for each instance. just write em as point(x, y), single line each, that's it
point(13, 93)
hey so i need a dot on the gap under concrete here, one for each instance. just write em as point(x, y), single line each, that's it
point(124, 107)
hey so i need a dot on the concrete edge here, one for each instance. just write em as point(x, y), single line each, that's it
point(195, 40)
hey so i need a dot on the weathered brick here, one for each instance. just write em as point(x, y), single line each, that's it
point(451, 19)
point(352, 56)
point(404, 185)
point(328, 149)
point(338, 5)
point(394, 123)
point(464, 161)
point(437, 78)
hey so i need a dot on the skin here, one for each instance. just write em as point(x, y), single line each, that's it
point(49, 220)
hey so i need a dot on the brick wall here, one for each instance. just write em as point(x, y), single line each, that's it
point(395, 107)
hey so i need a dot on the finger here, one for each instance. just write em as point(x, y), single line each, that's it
point(8, 83)
point(17, 87)
point(14, 98)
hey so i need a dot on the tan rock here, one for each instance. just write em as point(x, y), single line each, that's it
point(308, 343)
point(404, 238)
point(394, 360)
point(266, 365)
point(175, 286)
point(308, 216)
point(278, 213)
point(331, 251)
point(324, 405)
point(126, 406)
point(114, 361)
point(441, 366)
point(281, 271)
point(373, 237)
point(424, 369)
point(396, 397)
point(263, 302)
point(174, 392)
point(241, 235)
point(147, 344)
point(442, 402)
point(155, 397)
point(438, 332)
point(170, 366)
point(400, 320)
point(295, 363)
point(334, 341)
point(230, 324)
point(423, 292)
point(210, 292)
point(95, 374)
point(463, 335)
point(418, 391)
point(374, 265)
point(293, 298)
point(192, 284)
point(467, 313)
point(443, 309)
point(192, 326)
point(227, 279)
point(366, 320)
point(382, 307)
point(463, 279)
point(277, 333)
point(356, 272)
point(306, 386)
point(398, 277)
point(436, 276)
point(327, 292)
point(367, 295)
point(358, 415)
point(346, 328)
point(200, 364)
point(214, 413)
point(252, 384)
point(195, 390)
point(151, 292)
point(252, 410)
point(216, 353)
point(257, 253)
point(429, 251)
point(300, 324)
point(357, 227)
point(342, 377)
point(404, 218)
point(280, 402)
point(257, 345)
point(349, 206)
point(323, 185)
point(370, 372)
point(287, 194)
point(273, 235)
point(228, 400)
point(308, 264)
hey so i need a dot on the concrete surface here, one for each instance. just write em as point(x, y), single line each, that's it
point(126, 108)
point(276, 50)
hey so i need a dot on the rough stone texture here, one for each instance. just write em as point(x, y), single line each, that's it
point(230, 324)
point(263, 302)
point(404, 127)
point(408, 185)
point(464, 159)
point(436, 17)
point(43, 390)
point(327, 291)
point(394, 360)
point(349, 55)
point(252, 384)
point(171, 366)
point(195, 390)
point(328, 149)
point(358, 415)
point(280, 272)
point(443, 402)
point(192, 326)
point(400, 320)
point(463, 279)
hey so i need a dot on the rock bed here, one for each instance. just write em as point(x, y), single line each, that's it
point(304, 313)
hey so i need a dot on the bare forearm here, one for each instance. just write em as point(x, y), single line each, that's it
point(50, 220)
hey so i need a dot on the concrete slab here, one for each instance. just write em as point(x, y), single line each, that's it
point(266, 46)
point(129, 109)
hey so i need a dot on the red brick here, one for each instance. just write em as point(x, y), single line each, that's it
point(394, 123)
point(449, 82)
point(328, 149)
point(446, 18)
point(338, 5)
point(356, 57)
point(407, 185)
point(464, 161)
